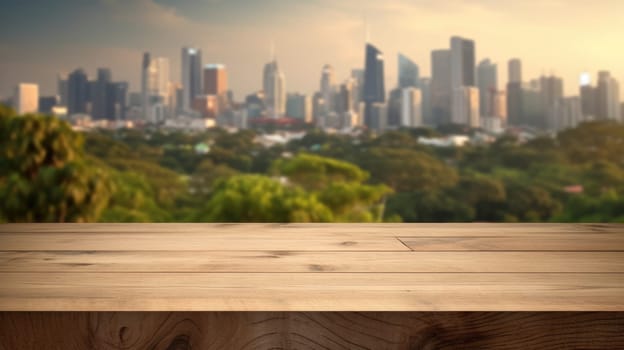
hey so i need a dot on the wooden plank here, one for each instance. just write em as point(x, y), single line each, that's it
point(308, 261)
point(535, 242)
point(194, 241)
point(310, 292)
point(312, 330)
point(381, 229)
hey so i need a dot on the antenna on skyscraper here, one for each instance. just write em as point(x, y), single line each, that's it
point(272, 50)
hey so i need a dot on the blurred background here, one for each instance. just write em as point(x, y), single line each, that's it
point(311, 111)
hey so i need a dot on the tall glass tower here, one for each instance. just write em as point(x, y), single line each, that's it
point(191, 75)
point(374, 89)
point(408, 72)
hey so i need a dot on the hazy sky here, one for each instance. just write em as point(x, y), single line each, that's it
point(39, 38)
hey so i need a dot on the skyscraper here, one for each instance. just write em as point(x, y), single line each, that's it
point(551, 92)
point(61, 88)
point(411, 107)
point(463, 82)
point(515, 111)
point(78, 92)
point(155, 87)
point(462, 62)
point(117, 100)
point(425, 88)
point(466, 106)
point(345, 97)
point(565, 113)
point(274, 84)
point(215, 79)
point(327, 87)
point(358, 87)
point(393, 115)
point(191, 75)
point(441, 90)
point(589, 97)
point(100, 99)
point(608, 97)
point(374, 88)
point(299, 106)
point(26, 98)
point(487, 81)
point(408, 72)
point(515, 71)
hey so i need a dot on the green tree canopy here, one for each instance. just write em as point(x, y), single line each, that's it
point(315, 172)
point(44, 175)
point(257, 198)
point(406, 170)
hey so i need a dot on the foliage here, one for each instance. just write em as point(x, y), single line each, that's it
point(50, 173)
point(44, 175)
point(257, 198)
point(406, 170)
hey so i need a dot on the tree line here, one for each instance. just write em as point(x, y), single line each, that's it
point(50, 173)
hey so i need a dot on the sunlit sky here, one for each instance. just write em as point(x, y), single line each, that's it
point(39, 38)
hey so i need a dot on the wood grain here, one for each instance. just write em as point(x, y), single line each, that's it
point(519, 242)
point(311, 292)
point(311, 261)
point(318, 267)
point(194, 241)
point(311, 330)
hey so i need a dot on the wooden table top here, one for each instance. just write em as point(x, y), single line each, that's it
point(311, 267)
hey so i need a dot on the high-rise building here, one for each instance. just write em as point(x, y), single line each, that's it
point(26, 98)
point(565, 113)
point(379, 116)
point(274, 84)
point(466, 106)
point(408, 72)
point(215, 79)
point(425, 88)
point(358, 88)
point(514, 68)
point(61, 88)
point(47, 104)
point(318, 110)
point(551, 92)
point(462, 82)
point(207, 106)
point(441, 90)
point(327, 87)
point(608, 97)
point(532, 106)
point(100, 99)
point(487, 81)
point(191, 75)
point(498, 105)
point(155, 88)
point(117, 100)
point(344, 100)
point(299, 106)
point(78, 92)
point(462, 62)
point(515, 112)
point(411, 107)
point(393, 115)
point(589, 97)
point(374, 87)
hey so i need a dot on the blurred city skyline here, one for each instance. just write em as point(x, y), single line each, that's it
point(43, 38)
